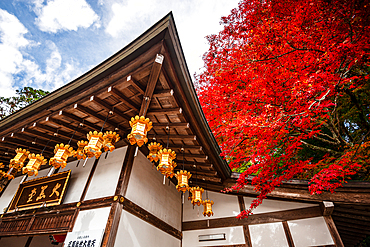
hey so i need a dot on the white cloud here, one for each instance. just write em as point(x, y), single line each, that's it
point(194, 20)
point(13, 63)
point(12, 39)
point(64, 15)
point(128, 15)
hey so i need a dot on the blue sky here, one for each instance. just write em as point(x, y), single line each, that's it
point(46, 44)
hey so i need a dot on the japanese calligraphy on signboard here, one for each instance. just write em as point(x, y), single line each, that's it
point(91, 238)
point(48, 191)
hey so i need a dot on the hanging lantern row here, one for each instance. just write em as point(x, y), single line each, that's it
point(97, 142)
point(165, 157)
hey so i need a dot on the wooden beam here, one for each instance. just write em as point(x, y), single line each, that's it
point(136, 85)
point(92, 113)
point(288, 234)
point(150, 218)
point(152, 82)
point(163, 93)
point(280, 216)
point(174, 137)
point(73, 117)
point(108, 107)
point(128, 102)
point(304, 195)
point(167, 111)
point(172, 125)
point(333, 231)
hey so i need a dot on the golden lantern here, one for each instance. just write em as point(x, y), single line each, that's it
point(110, 138)
point(196, 193)
point(190, 194)
point(18, 161)
point(80, 152)
point(62, 152)
point(166, 157)
point(207, 204)
point(169, 172)
point(95, 144)
point(182, 180)
point(140, 126)
point(33, 165)
point(153, 151)
point(9, 175)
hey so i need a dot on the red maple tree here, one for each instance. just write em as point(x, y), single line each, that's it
point(286, 92)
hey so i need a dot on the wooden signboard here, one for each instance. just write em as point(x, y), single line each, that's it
point(44, 191)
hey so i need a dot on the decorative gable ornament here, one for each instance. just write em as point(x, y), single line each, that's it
point(95, 144)
point(140, 126)
point(182, 180)
point(207, 204)
point(62, 152)
point(33, 165)
point(110, 138)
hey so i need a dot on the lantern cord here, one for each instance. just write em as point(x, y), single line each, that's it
point(183, 158)
point(206, 192)
point(146, 98)
point(69, 142)
point(47, 143)
point(106, 118)
point(196, 174)
point(168, 137)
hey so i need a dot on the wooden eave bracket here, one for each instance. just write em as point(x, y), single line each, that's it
point(327, 207)
point(153, 78)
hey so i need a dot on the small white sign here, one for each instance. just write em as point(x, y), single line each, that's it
point(90, 238)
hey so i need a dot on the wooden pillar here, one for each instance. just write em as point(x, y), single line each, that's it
point(116, 208)
point(247, 236)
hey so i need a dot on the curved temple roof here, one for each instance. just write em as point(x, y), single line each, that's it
point(122, 83)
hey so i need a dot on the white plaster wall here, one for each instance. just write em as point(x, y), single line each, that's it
point(224, 206)
point(146, 189)
point(105, 178)
point(267, 235)
point(43, 240)
point(134, 232)
point(234, 235)
point(9, 193)
point(268, 205)
point(77, 180)
point(92, 219)
point(13, 241)
point(310, 232)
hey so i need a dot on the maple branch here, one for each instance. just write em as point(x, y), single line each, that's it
point(321, 148)
point(271, 58)
point(303, 49)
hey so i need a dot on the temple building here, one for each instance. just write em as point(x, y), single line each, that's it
point(135, 141)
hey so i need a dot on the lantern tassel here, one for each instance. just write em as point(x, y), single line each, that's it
point(106, 155)
point(78, 163)
point(84, 163)
point(183, 197)
point(164, 180)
